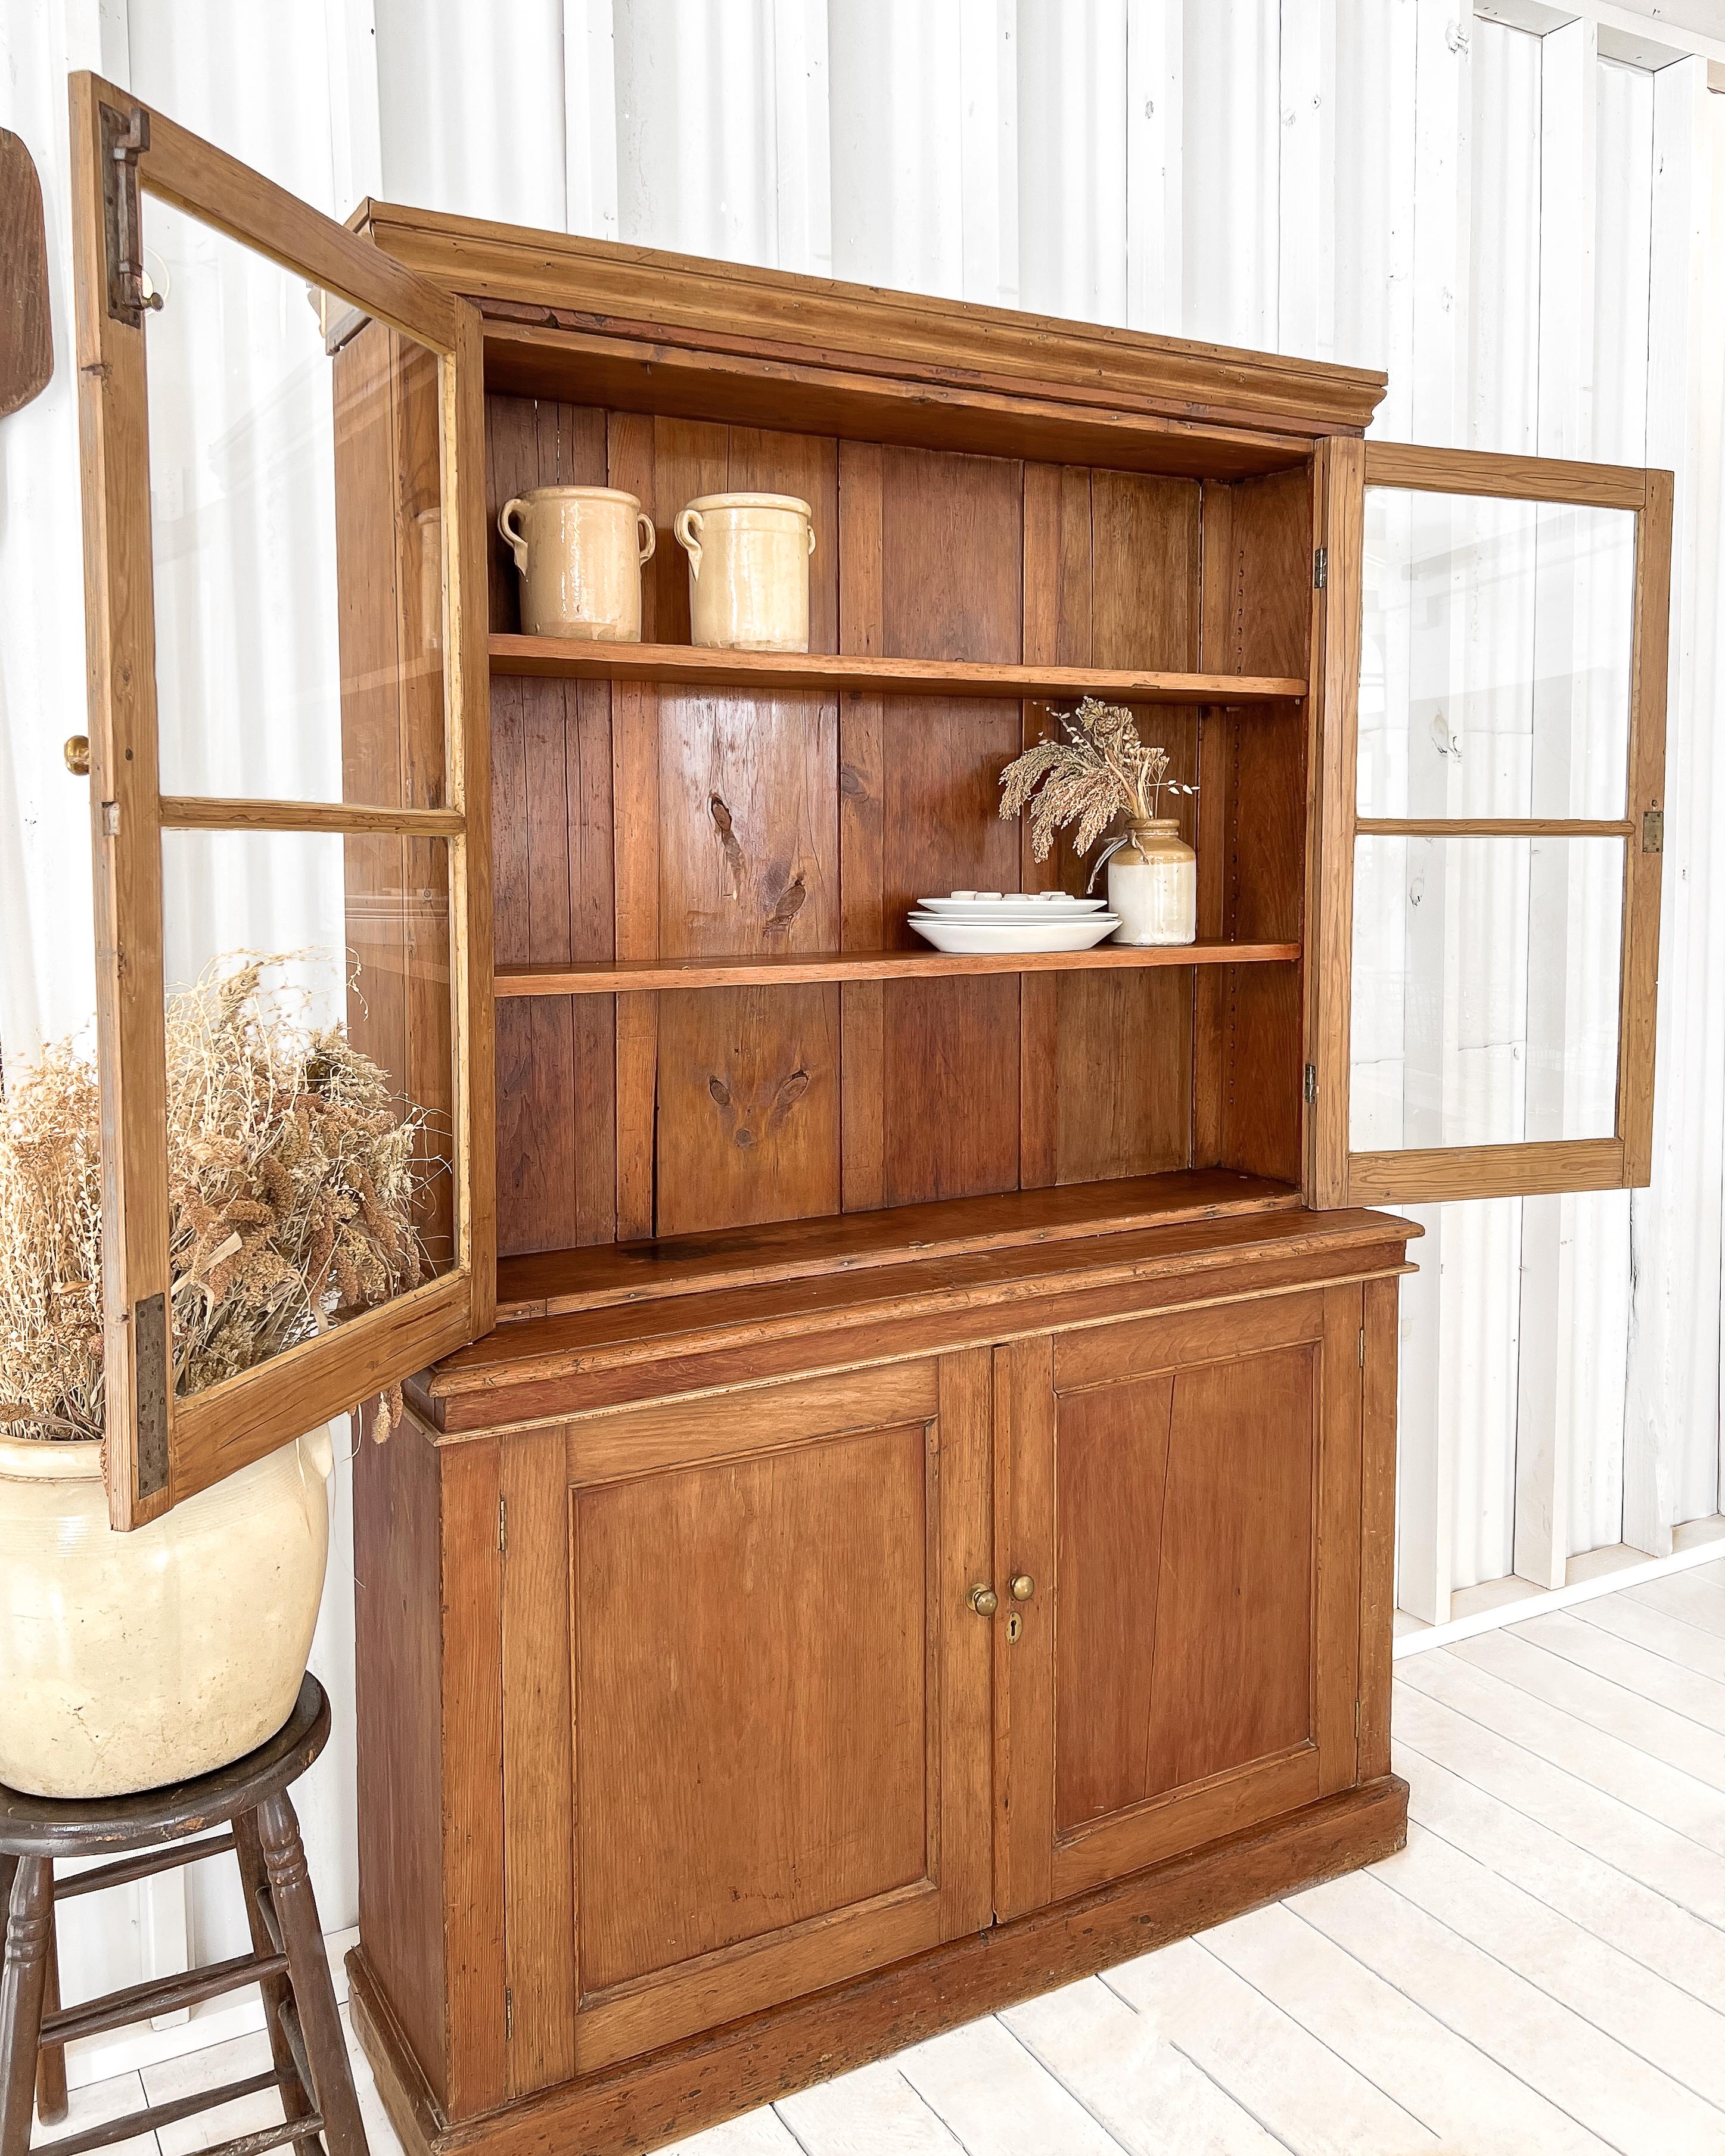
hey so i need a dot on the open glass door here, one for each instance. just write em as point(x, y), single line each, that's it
point(282, 442)
point(1493, 768)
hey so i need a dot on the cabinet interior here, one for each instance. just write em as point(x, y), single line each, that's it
point(743, 829)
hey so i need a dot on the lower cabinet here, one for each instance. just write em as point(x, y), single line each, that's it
point(801, 1751)
point(705, 1743)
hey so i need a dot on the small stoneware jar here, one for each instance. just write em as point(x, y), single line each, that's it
point(748, 570)
point(1153, 886)
point(580, 550)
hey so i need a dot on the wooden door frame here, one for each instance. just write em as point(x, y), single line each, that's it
point(159, 1451)
point(1336, 1176)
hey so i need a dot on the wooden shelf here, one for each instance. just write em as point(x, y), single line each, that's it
point(792, 967)
point(698, 666)
point(554, 1283)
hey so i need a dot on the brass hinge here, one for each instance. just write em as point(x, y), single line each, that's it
point(1356, 1721)
point(1320, 568)
point(1653, 831)
point(126, 135)
point(503, 1524)
point(509, 2015)
point(1311, 1083)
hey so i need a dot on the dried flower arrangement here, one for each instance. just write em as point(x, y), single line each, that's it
point(293, 1176)
point(1102, 770)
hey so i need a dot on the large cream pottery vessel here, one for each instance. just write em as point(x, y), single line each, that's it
point(127, 1661)
point(580, 550)
point(748, 570)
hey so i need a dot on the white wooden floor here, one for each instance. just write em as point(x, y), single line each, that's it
point(1541, 1972)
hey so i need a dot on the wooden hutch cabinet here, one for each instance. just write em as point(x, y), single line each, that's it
point(894, 1505)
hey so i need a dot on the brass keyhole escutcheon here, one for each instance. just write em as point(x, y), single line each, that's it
point(984, 1601)
point(1015, 1626)
point(1022, 1587)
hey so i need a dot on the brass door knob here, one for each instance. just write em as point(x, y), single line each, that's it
point(76, 752)
point(984, 1601)
point(1022, 1587)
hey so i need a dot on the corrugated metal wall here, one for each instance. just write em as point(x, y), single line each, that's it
point(1525, 233)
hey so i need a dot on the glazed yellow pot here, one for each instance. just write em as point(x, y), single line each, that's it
point(748, 570)
point(580, 550)
point(127, 1661)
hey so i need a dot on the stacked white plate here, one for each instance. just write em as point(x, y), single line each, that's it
point(978, 922)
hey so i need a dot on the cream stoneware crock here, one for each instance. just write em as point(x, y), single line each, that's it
point(127, 1661)
point(1153, 886)
point(748, 570)
point(580, 550)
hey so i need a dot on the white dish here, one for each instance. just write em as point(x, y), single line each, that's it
point(979, 938)
point(994, 905)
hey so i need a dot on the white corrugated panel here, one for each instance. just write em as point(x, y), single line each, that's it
point(1530, 240)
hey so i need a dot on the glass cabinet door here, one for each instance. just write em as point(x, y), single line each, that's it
point(1493, 767)
point(284, 597)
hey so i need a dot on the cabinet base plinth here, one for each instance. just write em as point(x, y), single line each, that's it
point(643, 2104)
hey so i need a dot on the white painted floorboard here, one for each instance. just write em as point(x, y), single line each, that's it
point(1541, 1971)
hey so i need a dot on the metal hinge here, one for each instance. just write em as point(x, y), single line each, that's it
point(1653, 831)
point(503, 1524)
point(1363, 1347)
point(1320, 568)
point(126, 135)
point(150, 1380)
point(509, 2000)
point(1311, 1083)
point(1356, 1721)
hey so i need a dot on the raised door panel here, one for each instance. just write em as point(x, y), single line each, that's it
point(778, 1695)
point(1178, 1495)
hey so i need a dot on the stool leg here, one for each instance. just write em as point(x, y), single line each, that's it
point(296, 2100)
point(51, 2063)
point(308, 1970)
point(30, 1911)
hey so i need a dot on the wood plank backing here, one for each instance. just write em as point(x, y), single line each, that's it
point(951, 562)
point(1258, 599)
point(1137, 1029)
point(552, 876)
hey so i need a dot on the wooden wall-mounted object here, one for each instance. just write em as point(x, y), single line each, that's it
point(26, 329)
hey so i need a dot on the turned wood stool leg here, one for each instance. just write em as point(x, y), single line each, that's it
point(51, 2062)
point(30, 1912)
point(296, 2100)
point(309, 1969)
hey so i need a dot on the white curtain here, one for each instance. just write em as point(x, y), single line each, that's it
point(1529, 236)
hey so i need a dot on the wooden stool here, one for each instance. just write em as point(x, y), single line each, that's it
point(287, 1961)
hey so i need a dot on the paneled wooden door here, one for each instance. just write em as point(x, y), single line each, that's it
point(778, 1697)
point(1177, 1543)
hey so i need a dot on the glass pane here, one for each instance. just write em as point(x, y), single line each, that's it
point(310, 1085)
point(1485, 990)
point(1495, 654)
point(297, 529)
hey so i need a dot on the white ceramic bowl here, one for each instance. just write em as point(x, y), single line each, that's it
point(975, 938)
point(994, 905)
